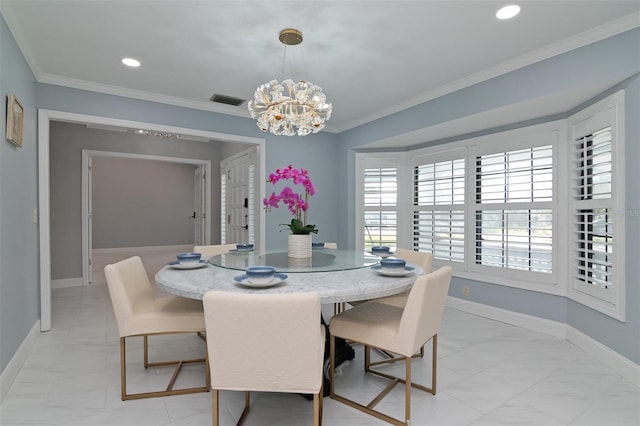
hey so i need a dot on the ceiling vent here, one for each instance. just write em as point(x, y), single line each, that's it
point(225, 99)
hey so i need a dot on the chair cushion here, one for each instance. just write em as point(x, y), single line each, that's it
point(397, 300)
point(370, 322)
point(172, 314)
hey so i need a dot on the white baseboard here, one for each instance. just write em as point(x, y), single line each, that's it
point(616, 362)
point(66, 282)
point(541, 325)
point(12, 369)
point(175, 248)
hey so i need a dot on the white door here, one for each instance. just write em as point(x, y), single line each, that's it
point(199, 215)
point(89, 274)
point(238, 190)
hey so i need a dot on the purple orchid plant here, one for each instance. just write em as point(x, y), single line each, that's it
point(298, 204)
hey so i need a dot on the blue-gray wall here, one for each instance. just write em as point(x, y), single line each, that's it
point(330, 159)
point(317, 152)
point(19, 277)
point(616, 59)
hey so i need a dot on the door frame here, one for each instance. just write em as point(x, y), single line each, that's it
point(88, 155)
point(259, 185)
point(45, 116)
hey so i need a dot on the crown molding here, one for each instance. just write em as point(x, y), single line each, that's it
point(141, 95)
point(596, 34)
point(583, 39)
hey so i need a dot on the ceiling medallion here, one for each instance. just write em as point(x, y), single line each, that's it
point(290, 108)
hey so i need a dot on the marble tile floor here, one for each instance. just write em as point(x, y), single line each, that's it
point(489, 373)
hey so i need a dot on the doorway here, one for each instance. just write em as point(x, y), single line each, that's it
point(45, 117)
point(239, 196)
point(202, 206)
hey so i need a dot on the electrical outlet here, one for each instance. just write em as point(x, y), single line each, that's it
point(465, 290)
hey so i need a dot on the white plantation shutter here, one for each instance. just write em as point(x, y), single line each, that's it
point(251, 205)
point(593, 218)
point(514, 209)
point(438, 209)
point(597, 221)
point(380, 188)
point(223, 207)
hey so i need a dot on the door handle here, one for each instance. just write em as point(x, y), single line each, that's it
point(194, 215)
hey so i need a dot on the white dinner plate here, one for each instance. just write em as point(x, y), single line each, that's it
point(277, 279)
point(408, 270)
point(235, 250)
point(176, 265)
point(384, 256)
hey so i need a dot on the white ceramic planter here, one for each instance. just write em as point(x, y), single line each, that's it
point(299, 246)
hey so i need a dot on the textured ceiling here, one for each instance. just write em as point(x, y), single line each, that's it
point(372, 58)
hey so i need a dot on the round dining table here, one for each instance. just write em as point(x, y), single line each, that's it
point(336, 275)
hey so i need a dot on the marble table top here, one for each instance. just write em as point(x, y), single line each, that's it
point(332, 286)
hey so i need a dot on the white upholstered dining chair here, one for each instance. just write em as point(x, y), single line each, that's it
point(420, 258)
point(423, 260)
point(265, 343)
point(394, 329)
point(139, 313)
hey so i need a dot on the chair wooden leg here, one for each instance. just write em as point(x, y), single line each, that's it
point(123, 369)
point(169, 389)
point(434, 362)
point(317, 409)
point(367, 358)
point(407, 381)
point(247, 403)
point(332, 363)
point(390, 358)
point(215, 408)
point(407, 391)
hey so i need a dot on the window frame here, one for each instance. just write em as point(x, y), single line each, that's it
point(604, 113)
point(560, 281)
point(428, 156)
point(374, 160)
point(528, 137)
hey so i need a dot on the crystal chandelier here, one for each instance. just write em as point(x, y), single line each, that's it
point(289, 108)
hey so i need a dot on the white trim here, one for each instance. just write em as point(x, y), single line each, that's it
point(88, 154)
point(44, 229)
point(45, 116)
point(621, 365)
point(260, 188)
point(530, 322)
point(109, 89)
point(378, 160)
point(552, 133)
point(615, 105)
point(67, 282)
point(588, 37)
point(618, 363)
point(593, 35)
point(12, 369)
point(147, 249)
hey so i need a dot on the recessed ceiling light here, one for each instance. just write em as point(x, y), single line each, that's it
point(130, 62)
point(508, 12)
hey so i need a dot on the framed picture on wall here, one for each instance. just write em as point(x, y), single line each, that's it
point(15, 120)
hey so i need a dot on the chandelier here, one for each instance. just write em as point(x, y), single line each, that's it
point(290, 108)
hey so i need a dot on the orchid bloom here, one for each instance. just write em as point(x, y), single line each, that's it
point(296, 203)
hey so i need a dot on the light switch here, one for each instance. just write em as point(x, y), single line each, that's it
point(34, 216)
